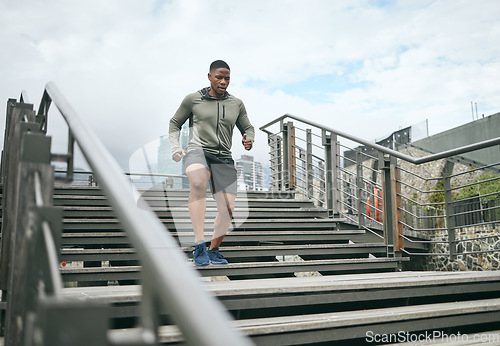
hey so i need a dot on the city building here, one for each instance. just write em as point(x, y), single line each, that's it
point(250, 174)
point(168, 166)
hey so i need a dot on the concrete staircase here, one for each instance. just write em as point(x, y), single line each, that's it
point(294, 277)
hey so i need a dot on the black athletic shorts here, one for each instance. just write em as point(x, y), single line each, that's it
point(223, 177)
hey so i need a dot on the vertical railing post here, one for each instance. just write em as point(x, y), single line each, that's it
point(286, 156)
point(396, 210)
point(331, 168)
point(292, 167)
point(279, 164)
point(309, 164)
point(450, 218)
point(71, 157)
point(276, 161)
point(392, 227)
point(359, 188)
point(322, 184)
point(326, 139)
point(335, 175)
point(149, 309)
point(301, 168)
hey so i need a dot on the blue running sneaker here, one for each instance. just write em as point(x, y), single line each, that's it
point(200, 254)
point(216, 257)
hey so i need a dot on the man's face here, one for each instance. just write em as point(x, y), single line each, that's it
point(219, 81)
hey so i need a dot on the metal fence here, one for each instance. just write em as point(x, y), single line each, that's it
point(378, 188)
point(462, 199)
point(138, 180)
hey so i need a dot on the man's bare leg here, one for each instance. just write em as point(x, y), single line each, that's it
point(198, 177)
point(225, 208)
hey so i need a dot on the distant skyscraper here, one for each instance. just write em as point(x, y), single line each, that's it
point(250, 174)
point(165, 163)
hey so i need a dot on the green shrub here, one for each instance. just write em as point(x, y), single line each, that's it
point(482, 189)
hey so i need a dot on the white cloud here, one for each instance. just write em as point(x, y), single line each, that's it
point(125, 66)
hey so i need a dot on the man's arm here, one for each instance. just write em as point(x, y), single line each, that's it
point(179, 118)
point(246, 128)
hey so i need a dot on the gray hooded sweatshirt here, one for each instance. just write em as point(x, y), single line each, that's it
point(211, 123)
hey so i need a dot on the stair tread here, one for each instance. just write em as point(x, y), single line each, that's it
point(339, 319)
point(237, 248)
point(184, 199)
point(245, 265)
point(297, 247)
point(256, 287)
point(93, 234)
point(271, 232)
point(92, 208)
point(344, 319)
point(67, 251)
point(300, 263)
point(273, 220)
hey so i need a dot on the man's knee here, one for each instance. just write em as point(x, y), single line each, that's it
point(199, 185)
point(198, 176)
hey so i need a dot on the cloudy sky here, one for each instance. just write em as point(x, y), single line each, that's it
point(365, 67)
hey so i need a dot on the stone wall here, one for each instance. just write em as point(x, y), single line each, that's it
point(481, 247)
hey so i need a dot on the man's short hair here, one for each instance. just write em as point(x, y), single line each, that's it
point(219, 64)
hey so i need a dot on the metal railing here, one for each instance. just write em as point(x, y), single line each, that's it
point(167, 280)
point(462, 207)
point(374, 191)
point(146, 180)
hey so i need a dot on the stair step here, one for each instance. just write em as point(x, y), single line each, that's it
point(231, 252)
point(240, 202)
point(238, 270)
point(349, 325)
point(272, 236)
point(102, 201)
point(241, 270)
point(288, 223)
point(81, 254)
point(300, 250)
point(185, 193)
point(70, 274)
point(211, 212)
point(94, 238)
point(97, 191)
point(88, 236)
point(302, 291)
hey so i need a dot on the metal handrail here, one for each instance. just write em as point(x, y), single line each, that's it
point(202, 319)
point(166, 175)
point(416, 161)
